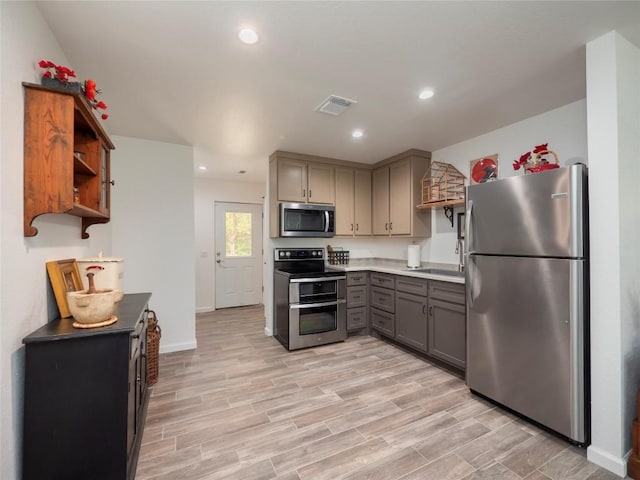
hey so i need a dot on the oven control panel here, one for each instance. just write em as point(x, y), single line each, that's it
point(299, 254)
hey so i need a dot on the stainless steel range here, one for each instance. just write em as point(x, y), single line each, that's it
point(309, 301)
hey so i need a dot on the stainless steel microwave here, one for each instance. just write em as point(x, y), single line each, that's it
point(307, 220)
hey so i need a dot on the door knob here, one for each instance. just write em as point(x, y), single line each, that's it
point(218, 261)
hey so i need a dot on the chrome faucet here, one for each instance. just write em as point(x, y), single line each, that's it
point(460, 252)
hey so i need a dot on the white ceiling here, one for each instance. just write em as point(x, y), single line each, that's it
point(176, 72)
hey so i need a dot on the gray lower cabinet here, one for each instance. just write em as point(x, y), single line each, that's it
point(411, 320)
point(382, 301)
point(357, 301)
point(382, 321)
point(447, 331)
point(356, 319)
point(426, 315)
point(411, 312)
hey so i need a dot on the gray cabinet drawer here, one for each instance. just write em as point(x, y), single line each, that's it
point(382, 321)
point(449, 292)
point(383, 298)
point(416, 286)
point(382, 280)
point(356, 278)
point(356, 318)
point(357, 296)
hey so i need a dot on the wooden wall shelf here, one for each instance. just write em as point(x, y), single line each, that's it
point(65, 149)
point(444, 203)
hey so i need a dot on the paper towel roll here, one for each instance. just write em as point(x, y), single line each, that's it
point(413, 256)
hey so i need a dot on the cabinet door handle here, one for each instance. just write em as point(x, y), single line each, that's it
point(391, 226)
point(424, 309)
point(357, 227)
point(386, 226)
point(431, 311)
point(309, 193)
point(304, 192)
point(352, 227)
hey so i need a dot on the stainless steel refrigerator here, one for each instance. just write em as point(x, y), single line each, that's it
point(527, 294)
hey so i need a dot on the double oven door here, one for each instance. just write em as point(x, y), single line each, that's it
point(316, 312)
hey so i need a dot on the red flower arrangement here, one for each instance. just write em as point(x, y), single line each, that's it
point(62, 74)
point(59, 72)
point(90, 92)
point(535, 160)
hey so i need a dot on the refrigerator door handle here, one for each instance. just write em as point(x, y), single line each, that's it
point(469, 281)
point(467, 229)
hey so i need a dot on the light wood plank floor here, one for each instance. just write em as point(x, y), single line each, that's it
point(242, 407)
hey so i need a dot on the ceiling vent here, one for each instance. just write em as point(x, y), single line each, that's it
point(334, 105)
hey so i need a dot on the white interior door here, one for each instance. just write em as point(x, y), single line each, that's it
point(238, 237)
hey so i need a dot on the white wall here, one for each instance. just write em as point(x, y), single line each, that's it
point(153, 229)
point(613, 98)
point(564, 129)
point(207, 192)
point(26, 301)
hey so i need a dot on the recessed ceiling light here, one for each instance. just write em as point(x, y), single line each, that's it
point(426, 93)
point(357, 133)
point(248, 36)
point(203, 168)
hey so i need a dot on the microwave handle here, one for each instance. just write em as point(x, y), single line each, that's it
point(326, 220)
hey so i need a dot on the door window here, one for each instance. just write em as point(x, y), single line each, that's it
point(238, 238)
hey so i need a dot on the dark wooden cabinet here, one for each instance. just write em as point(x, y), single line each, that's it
point(447, 323)
point(66, 158)
point(85, 397)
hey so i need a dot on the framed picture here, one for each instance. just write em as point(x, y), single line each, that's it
point(65, 277)
point(483, 169)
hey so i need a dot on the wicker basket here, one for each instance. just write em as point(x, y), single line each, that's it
point(340, 257)
point(154, 332)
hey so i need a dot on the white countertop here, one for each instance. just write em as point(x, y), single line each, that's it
point(398, 267)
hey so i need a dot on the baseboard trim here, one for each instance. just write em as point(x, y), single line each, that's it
point(609, 462)
point(205, 309)
point(268, 332)
point(178, 347)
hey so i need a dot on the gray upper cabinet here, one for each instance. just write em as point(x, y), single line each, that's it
point(396, 194)
point(305, 182)
point(345, 223)
point(292, 180)
point(378, 200)
point(362, 202)
point(353, 201)
point(320, 183)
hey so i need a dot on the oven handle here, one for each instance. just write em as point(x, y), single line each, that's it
point(316, 280)
point(314, 305)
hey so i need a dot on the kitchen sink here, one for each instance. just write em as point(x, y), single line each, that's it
point(440, 271)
